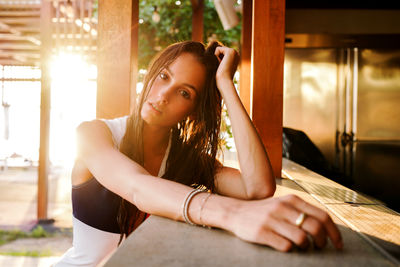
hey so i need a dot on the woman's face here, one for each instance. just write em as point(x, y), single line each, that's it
point(175, 92)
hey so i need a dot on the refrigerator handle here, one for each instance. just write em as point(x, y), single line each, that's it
point(347, 139)
point(354, 94)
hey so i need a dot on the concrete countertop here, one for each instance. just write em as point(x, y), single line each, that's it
point(164, 242)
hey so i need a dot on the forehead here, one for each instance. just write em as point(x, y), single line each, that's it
point(187, 69)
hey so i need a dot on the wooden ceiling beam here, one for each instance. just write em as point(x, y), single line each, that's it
point(21, 53)
point(12, 30)
point(28, 47)
point(13, 62)
point(20, 21)
point(7, 27)
point(14, 6)
point(20, 13)
point(12, 37)
point(19, 38)
point(27, 28)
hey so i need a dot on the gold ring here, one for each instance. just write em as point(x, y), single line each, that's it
point(300, 219)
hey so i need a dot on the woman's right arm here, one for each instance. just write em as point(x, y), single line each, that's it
point(268, 221)
point(125, 177)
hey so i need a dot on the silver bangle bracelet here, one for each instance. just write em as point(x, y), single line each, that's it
point(187, 202)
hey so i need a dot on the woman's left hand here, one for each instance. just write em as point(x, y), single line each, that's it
point(228, 63)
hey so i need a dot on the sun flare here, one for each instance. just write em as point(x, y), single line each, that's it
point(73, 100)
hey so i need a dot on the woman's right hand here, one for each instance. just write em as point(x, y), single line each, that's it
point(272, 222)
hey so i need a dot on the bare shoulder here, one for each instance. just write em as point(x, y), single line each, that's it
point(92, 138)
point(95, 131)
point(92, 126)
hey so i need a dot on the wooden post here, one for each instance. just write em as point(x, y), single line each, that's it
point(245, 56)
point(268, 40)
point(197, 20)
point(134, 52)
point(43, 170)
point(117, 44)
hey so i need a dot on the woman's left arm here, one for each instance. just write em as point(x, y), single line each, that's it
point(255, 179)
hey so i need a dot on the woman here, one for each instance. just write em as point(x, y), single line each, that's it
point(174, 134)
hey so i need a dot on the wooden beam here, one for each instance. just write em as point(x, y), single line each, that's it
point(16, 37)
point(134, 52)
point(115, 37)
point(27, 28)
point(21, 21)
point(20, 13)
point(245, 56)
point(17, 5)
point(195, 3)
point(43, 169)
point(268, 39)
point(9, 46)
point(14, 62)
point(197, 20)
point(12, 37)
point(8, 28)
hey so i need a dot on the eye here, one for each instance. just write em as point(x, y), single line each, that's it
point(163, 76)
point(184, 93)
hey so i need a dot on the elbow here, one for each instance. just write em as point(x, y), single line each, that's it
point(260, 192)
point(270, 190)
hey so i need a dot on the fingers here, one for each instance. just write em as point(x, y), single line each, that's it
point(288, 216)
point(280, 224)
point(227, 57)
point(226, 51)
point(290, 232)
point(274, 240)
point(221, 50)
point(316, 230)
point(318, 223)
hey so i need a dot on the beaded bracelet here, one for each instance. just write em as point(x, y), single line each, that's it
point(187, 202)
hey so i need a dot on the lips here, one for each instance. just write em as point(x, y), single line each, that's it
point(154, 106)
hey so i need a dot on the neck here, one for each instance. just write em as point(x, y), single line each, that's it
point(155, 139)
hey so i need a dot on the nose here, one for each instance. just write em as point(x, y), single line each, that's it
point(164, 94)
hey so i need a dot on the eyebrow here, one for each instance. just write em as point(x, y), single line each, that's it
point(185, 84)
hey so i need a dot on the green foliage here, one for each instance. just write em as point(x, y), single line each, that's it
point(39, 232)
point(226, 129)
point(29, 253)
point(8, 236)
point(176, 25)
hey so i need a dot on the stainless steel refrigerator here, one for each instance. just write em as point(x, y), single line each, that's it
point(347, 100)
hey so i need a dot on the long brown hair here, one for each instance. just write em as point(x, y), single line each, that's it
point(194, 141)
